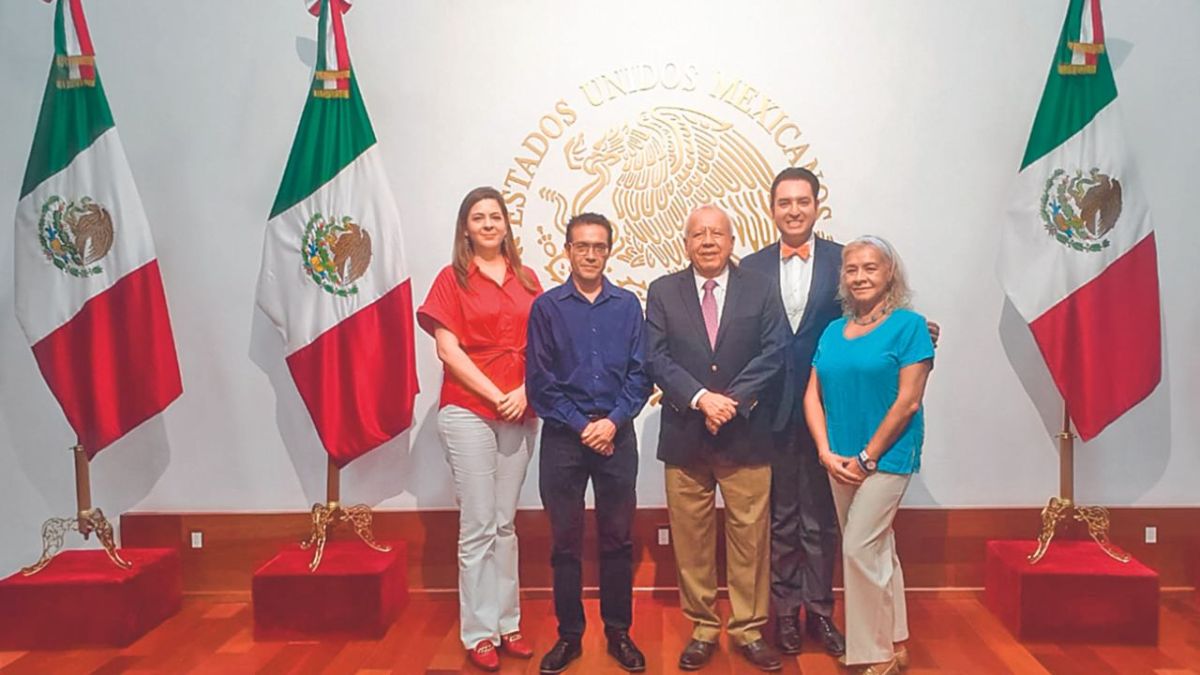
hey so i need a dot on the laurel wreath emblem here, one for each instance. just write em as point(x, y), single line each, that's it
point(75, 235)
point(1079, 210)
point(336, 253)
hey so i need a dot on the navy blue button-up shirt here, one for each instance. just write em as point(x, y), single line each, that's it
point(585, 359)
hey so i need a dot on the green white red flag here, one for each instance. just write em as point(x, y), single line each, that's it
point(89, 296)
point(333, 279)
point(1078, 257)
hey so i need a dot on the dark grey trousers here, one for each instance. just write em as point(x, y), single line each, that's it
point(804, 529)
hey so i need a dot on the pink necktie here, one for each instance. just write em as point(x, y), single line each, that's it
point(708, 307)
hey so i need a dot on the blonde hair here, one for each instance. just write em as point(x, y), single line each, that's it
point(898, 295)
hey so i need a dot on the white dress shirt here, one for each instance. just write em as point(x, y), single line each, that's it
point(795, 280)
point(722, 280)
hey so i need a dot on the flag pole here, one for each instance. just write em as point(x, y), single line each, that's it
point(326, 516)
point(1096, 517)
point(1066, 459)
point(87, 520)
point(333, 484)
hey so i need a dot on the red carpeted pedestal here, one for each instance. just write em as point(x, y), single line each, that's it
point(82, 599)
point(1076, 593)
point(356, 592)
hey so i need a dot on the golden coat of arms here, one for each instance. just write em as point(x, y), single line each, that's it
point(647, 165)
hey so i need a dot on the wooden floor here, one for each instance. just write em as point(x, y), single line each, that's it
point(952, 633)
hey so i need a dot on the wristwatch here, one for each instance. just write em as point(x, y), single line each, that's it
point(864, 460)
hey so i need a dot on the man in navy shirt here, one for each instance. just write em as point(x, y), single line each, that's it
point(585, 377)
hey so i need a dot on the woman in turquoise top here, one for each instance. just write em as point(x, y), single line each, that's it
point(863, 406)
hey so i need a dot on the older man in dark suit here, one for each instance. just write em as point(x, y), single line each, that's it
point(717, 336)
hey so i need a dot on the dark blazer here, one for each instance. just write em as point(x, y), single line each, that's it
point(749, 356)
point(822, 309)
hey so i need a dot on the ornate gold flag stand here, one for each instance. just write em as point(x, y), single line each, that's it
point(88, 520)
point(326, 516)
point(1096, 517)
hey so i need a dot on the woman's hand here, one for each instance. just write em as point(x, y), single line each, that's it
point(855, 469)
point(511, 406)
point(841, 470)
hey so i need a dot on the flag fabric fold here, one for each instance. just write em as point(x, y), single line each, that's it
point(333, 278)
point(1077, 255)
point(88, 292)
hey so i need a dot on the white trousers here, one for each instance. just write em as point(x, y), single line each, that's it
point(488, 459)
point(876, 613)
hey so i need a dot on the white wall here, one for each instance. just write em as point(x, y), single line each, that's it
point(918, 113)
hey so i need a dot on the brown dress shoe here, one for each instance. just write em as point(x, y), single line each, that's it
point(761, 655)
point(696, 654)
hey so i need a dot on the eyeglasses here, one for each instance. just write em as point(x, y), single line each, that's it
point(580, 248)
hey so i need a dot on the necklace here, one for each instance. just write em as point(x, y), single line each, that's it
point(872, 317)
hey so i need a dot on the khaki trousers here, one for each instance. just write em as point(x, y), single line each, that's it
point(876, 614)
point(691, 504)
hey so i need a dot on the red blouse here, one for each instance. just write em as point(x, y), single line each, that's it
point(489, 320)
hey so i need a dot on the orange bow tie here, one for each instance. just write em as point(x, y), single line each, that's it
point(803, 250)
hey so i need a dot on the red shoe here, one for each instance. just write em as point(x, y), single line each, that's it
point(484, 656)
point(514, 644)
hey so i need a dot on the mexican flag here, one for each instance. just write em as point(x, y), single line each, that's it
point(1077, 255)
point(333, 277)
point(88, 292)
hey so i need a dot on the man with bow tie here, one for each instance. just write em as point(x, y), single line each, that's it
point(804, 529)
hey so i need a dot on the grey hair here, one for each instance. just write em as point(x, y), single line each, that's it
point(898, 294)
point(707, 207)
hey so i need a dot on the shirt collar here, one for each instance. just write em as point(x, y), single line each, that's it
point(722, 279)
point(568, 290)
point(472, 268)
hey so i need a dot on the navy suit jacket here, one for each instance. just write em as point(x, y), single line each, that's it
point(748, 358)
point(821, 310)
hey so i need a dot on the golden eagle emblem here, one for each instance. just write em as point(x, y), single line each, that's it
point(1080, 210)
point(75, 236)
point(336, 253)
point(660, 167)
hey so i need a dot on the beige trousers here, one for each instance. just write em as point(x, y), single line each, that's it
point(691, 504)
point(876, 614)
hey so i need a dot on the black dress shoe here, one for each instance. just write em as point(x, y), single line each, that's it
point(787, 635)
point(696, 654)
point(821, 629)
point(559, 657)
point(761, 655)
point(621, 648)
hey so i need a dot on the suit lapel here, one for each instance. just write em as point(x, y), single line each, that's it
point(826, 267)
point(691, 300)
point(771, 253)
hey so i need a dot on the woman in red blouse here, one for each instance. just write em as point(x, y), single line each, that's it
point(477, 311)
